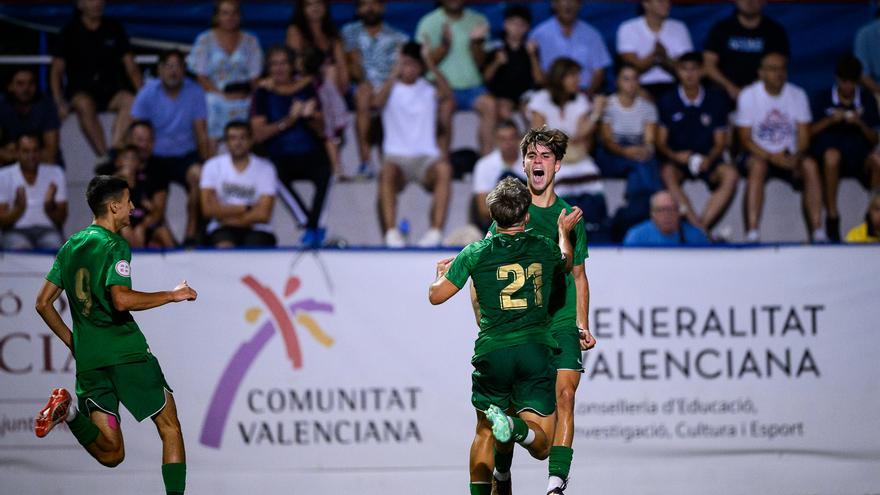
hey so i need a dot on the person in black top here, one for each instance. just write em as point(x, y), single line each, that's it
point(736, 45)
point(24, 111)
point(513, 67)
point(95, 57)
point(844, 137)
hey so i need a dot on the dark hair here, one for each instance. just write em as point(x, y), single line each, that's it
point(849, 68)
point(695, 57)
point(21, 68)
point(560, 68)
point(622, 66)
point(506, 124)
point(288, 53)
point(554, 139)
point(413, 50)
point(138, 123)
point(299, 20)
point(776, 53)
point(509, 202)
point(101, 189)
point(164, 55)
point(518, 10)
point(30, 135)
point(237, 124)
point(216, 12)
point(129, 148)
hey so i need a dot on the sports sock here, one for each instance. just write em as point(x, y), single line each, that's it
point(481, 488)
point(502, 464)
point(174, 476)
point(71, 413)
point(521, 432)
point(83, 429)
point(560, 461)
point(554, 482)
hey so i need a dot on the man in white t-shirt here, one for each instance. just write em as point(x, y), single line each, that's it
point(33, 199)
point(409, 119)
point(652, 43)
point(773, 119)
point(505, 160)
point(238, 193)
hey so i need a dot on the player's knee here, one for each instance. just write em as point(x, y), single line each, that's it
point(541, 454)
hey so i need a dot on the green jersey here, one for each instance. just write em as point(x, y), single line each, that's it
point(512, 275)
point(86, 266)
point(563, 299)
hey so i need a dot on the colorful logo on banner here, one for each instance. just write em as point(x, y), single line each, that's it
point(280, 320)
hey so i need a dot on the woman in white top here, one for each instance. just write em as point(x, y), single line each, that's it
point(651, 43)
point(563, 106)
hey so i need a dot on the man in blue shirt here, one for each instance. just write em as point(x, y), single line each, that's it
point(692, 137)
point(564, 35)
point(175, 105)
point(666, 227)
point(867, 49)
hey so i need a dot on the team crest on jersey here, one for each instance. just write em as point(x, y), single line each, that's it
point(123, 268)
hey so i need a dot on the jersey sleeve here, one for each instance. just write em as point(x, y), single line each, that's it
point(54, 274)
point(119, 269)
point(460, 269)
point(579, 249)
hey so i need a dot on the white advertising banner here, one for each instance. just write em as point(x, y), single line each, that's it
point(722, 371)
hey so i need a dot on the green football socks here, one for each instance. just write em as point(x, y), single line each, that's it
point(481, 488)
point(83, 429)
point(174, 476)
point(520, 430)
point(560, 461)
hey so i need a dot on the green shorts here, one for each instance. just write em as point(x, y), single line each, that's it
point(139, 385)
point(516, 378)
point(570, 356)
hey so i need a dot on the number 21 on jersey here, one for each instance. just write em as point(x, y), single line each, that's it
point(520, 275)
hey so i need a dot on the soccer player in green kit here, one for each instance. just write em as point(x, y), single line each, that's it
point(512, 271)
point(542, 151)
point(113, 362)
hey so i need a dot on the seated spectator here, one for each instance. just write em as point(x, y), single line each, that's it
point(513, 68)
point(33, 199)
point(867, 50)
point(175, 106)
point(735, 46)
point(562, 106)
point(869, 230)
point(651, 43)
point(844, 137)
point(313, 35)
point(238, 193)
point(147, 227)
point(504, 161)
point(564, 35)
point(692, 137)
point(666, 227)
point(371, 46)
point(629, 127)
point(409, 116)
point(773, 123)
point(287, 120)
point(455, 37)
point(227, 62)
point(24, 111)
point(93, 55)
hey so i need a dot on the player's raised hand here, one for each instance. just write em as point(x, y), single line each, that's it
point(183, 292)
point(567, 221)
point(443, 266)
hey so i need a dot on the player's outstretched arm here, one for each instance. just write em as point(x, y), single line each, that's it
point(126, 299)
point(46, 308)
point(566, 222)
point(442, 289)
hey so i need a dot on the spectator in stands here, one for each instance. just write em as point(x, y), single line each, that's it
point(24, 111)
point(629, 128)
point(148, 227)
point(773, 123)
point(371, 47)
point(665, 227)
point(456, 37)
point(175, 106)
point(287, 120)
point(564, 35)
point(844, 137)
point(93, 55)
point(869, 230)
point(736, 45)
point(691, 138)
point(513, 67)
point(238, 193)
point(562, 106)
point(409, 118)
point(33, 199)
point(227, 62)
point(651, 43)
point(504, 161)
point(867, 49)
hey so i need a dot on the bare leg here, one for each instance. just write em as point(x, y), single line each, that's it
point(121, 104)
point(873, 169)
point(193, 213)
point(566, 385)
point(544, 428)
point(812, 195)
point(390, 183)
point(87, 114)
point(362, 119)
point(723, 195)
point(482, 455)
point(831, 159)
point(439, 180)
point(757, 170)
point(487, 110)
point(108, 447)
point(169, 431)
point(672, 178)
point(445, 111)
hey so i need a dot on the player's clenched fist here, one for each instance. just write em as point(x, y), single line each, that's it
point(183, 292)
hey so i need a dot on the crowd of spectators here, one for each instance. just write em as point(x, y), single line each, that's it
point(236, 125)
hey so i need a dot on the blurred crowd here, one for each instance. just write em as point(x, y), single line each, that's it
point(236, 124)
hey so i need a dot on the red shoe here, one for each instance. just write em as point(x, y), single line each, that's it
point(54, 412)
